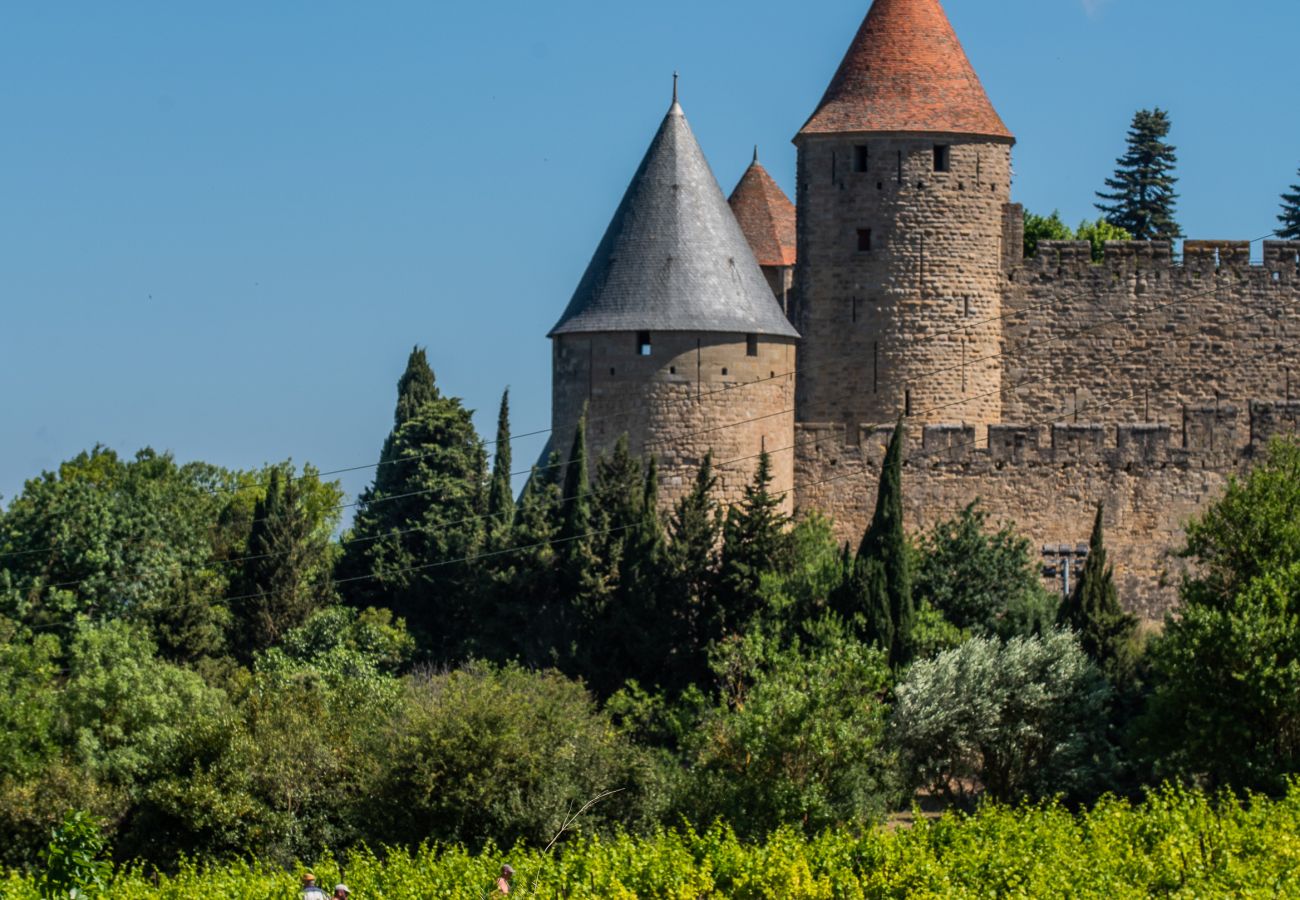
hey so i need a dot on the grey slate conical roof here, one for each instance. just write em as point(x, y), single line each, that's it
point(674, 257)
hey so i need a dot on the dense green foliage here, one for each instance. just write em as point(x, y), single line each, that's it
point(194, 662)
point(1051, 228)
point(1290, 217)
point(1227, 701)
point(1174, 844)
point(1141, 196)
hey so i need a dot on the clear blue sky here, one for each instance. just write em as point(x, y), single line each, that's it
point(222, 226)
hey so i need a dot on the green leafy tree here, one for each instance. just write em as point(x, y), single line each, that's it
point(1290, 217)
point(878, 590)
point(285, 576)
point(1141, 196)
point(501, 498)
point(797, 737)
point(1106, 633)
point(1097, 233)
point(1226, 706)
point(755, 541)
point(980, 580)
point(75, 866)
point(419, 526)
point(1024, 718)
point(1044, 228)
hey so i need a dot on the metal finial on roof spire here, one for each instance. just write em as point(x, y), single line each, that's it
point(674, 87)
point(756, 153)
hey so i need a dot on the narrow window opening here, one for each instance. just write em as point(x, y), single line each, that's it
point(854, 307)
point(1277, 276)
point(967, 300)
point(611, 370)
point(864, 240)
point(724, 370)
point(907, 403)
point(643, 343)
point(942, 157)
point(880, 185)
point(751, 345)
point(672, 370)
point(833, 161)
point(860, 158)
point(900, 166)
point(875, 367)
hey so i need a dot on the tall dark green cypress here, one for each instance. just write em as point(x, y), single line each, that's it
point(691, 579)
point(529, 597)
point(419, 526)
point(1290, 217)
point(1093, 612)
point(1141, 197)
point(878, 592)
point(501, 499)
point(756, 540)
point(285, 576)
point(583, 583)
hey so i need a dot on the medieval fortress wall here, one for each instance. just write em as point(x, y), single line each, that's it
point(1135, 382)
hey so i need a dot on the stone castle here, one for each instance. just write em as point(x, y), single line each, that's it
point(895, 287)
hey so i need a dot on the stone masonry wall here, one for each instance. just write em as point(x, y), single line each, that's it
point(692, 394)
point(914, 319)
point(1138, 338)
point(1152, 477)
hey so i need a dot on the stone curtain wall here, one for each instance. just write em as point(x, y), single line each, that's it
point(1046, 481)
point(918, 312)
point(1138, 338)
point(693, 393)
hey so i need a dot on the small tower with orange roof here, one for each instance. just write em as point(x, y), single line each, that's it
point(767, 217)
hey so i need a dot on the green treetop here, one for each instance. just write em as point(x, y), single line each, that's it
point(755, 540)
point(501, 499)
point(1290, 217)
point(1141, 199)
point(1106, 633)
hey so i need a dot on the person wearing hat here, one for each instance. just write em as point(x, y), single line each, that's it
point(503, 883)
point(341, 892)
point(310, 889)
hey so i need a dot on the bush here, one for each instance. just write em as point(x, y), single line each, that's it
point(1024, 718)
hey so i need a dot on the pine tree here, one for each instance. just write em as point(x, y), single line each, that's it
point(755, 540)
point(501, 500)
point(1093, 612)
point(418, 526)
point(878, 591)
point(1290, 218)
point(285, 575)
point(1142, 197)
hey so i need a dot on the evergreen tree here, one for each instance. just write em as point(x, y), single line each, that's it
point(583, 581)
point(1142, 198)
point(528, 617)
point(501, 500)
point(419, 525)
point(755, 540)
point(690, 573)
point(1106, 633)
point(878, 592)
point(285, 575)
point(1290, 217)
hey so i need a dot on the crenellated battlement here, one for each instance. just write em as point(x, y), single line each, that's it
point(1213, 436)
point(1056, 259)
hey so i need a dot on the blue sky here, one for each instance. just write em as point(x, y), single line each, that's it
point(223, 226)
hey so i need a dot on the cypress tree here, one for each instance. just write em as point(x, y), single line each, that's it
point(530, 590)
point(755, 541)
point(1141, 197)
point(1290, 217)
point(1093, 612)
point(690, 566)
point(418, 525)
point(285, 575)
point(582, 577)
point(878, 592)
point(501, 500)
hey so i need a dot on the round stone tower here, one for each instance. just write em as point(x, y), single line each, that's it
point(674, 337)
point(903, 187)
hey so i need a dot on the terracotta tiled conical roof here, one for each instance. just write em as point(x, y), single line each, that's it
point(766, 215)
point(674, 257)
point(906, 71)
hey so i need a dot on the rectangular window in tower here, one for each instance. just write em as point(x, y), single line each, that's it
point(643, 343)
point(864, 240)
point(860, 158)
point(900, 166)
point(941, 157)
point(907, 403)
point(751, 345)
